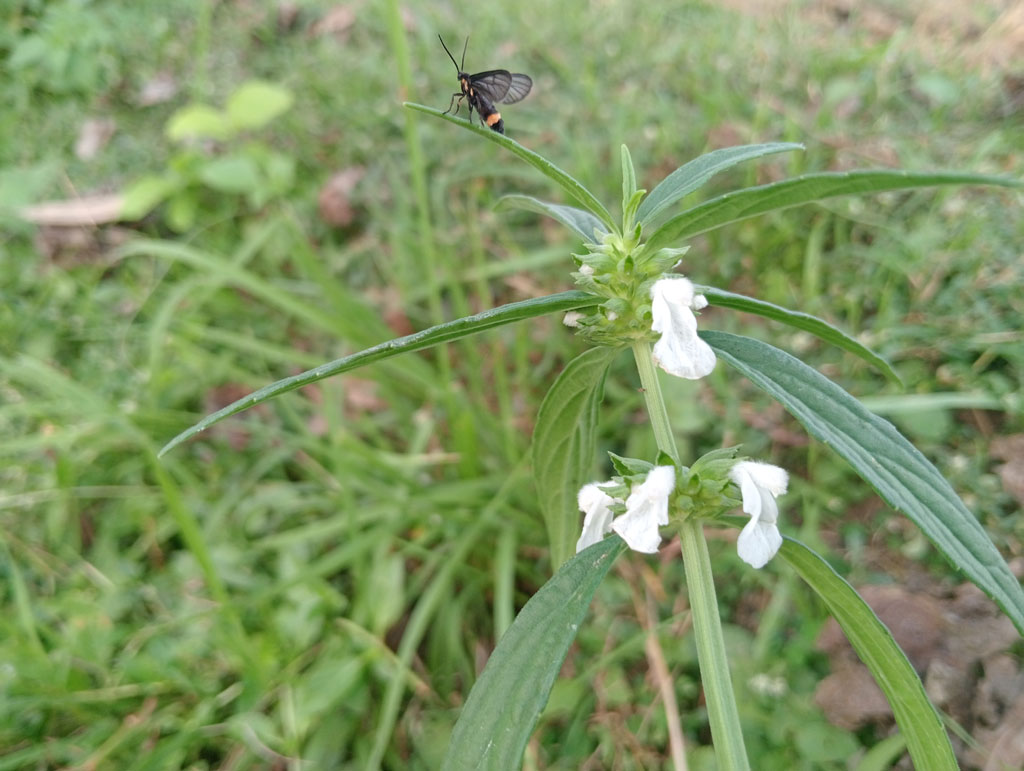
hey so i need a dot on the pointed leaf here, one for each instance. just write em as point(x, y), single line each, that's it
point(546, 167)
point(583, 223)
point(817, 327)
point(741, 204)
point(256, 103)
point(506, 702)
point(628, 177)
point(564, 444)
point(691, 176)
point(442, 333)
point(883, 457)
point(231, 174)
point(198, 121)
point(919, 723)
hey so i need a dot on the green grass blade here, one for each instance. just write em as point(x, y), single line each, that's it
point(904, 478)
point(883, 756)
point(919, 723)
point(817, 327)
point(505, 703)
point(438, 592)
point(568, 183)
point(741, 204)
point(427, 338)
point(581, 222)
point(564, 443)
point(691, 176)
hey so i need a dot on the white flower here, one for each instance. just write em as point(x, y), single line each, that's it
point(647, 510)
point(572, 318)
point(759, 485)
point(680, 351)
point(594, 503)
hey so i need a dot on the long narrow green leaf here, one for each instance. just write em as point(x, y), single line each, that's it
point(919, 723)
point(441, 333)
point(741, 204)
point(583, 223)
point(567, 182)
point(564, 442)
point(505, 703)
point(817, 327)
point(690, 176)
point(883, 457)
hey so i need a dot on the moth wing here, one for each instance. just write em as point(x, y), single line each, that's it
point(518, 88)
point(494, 84)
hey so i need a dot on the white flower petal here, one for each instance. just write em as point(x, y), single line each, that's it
point(758, 543)
point(680, 351)
point(759, 483)
point(594, 503)
point(771, 478)
point(646, 510)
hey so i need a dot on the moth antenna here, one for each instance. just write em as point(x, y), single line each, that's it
point(457, 68)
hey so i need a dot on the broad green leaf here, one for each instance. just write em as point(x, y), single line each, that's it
point(198, 121)
point(817, 327)
point(919, 723)
point(564, 444)
point(691, 176)
point(231, 174)
point(583, 223)
point(427, 338)
point(569, 184)
point(505, 703)
point(904, 478)
point(741, 204)
point(256, 103)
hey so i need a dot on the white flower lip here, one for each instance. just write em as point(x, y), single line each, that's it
point(759, 485)
point(647, 510)
point(594, 503)
point(680, 351)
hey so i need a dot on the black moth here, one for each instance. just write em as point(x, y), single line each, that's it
point(485, 89)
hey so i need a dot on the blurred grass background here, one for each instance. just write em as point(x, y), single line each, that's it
point(316, 583)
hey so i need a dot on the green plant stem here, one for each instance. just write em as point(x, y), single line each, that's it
point(655, 401)
point(714, 667)
point(707, 625)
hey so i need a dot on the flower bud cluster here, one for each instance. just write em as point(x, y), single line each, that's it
point(619, 269)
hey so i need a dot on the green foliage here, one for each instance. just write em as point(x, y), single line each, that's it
point(252, 171)
point(564, 446)
point(918, 720)
point(820, 329)
point(503, 708)
point(563, 179)
point(904, 478)
point(68, 49)
point(355, 523)
point(427, 338)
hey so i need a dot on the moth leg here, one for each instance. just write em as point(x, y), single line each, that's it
point(460, 95)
